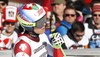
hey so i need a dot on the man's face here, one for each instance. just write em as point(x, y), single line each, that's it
point(58, 8)
point(70, 15)
point(40, 30)
point(2, 5)
point(10, 26)
point(78, 35)
point(96, 17)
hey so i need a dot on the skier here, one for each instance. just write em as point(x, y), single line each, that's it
point(34, 43)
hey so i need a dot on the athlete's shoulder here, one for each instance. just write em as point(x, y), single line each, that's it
point(22, 48)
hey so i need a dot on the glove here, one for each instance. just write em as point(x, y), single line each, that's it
point(56, 39)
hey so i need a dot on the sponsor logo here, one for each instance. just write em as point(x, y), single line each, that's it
point(40, 48)
point(28, 25)
point(29, 5)
point(35, 7)
point(22, 47)
point(95, 37)
point(40, 11)
point(11, 14)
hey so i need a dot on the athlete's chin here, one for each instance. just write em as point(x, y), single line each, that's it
point(42, 32)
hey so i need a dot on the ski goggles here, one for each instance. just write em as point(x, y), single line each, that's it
point(39, 23)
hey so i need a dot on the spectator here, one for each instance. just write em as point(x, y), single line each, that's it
point(58, 9)
point(69, 18)
point(1, 26)
point(75, 38)
point(78, 5)
point(87, 11)
point(33, 20)
point(55, 18)
point(3, 3)
point(8, 34)
point(94, 2)
point(92, 28)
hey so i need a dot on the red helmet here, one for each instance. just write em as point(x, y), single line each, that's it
point(31, 15)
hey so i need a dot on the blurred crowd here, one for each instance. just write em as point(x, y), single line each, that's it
point(78, 22)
